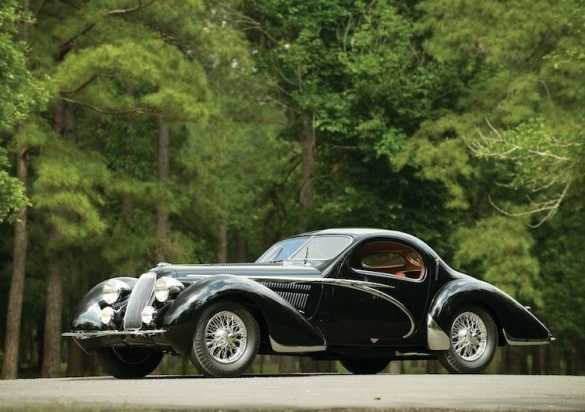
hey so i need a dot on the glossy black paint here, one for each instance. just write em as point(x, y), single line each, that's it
point(86, 315)
point(369, 316)
point(328, 304)
point(511, 316)
point(284, 323)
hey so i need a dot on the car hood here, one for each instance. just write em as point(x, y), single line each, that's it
point(192, 273)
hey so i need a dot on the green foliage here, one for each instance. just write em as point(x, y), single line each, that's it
point(12, 196)
point(501, 249)
point(66, 190)
point(562, 272)
point(522, 63)
point(19, 92)
point(176, 90)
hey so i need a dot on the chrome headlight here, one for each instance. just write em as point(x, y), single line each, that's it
point(112, 290)
point(166, 286)
point(148, 314)
point(106, 315)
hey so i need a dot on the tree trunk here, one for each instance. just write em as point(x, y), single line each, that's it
point(287, 364)
point(14, 310)
point(75, 356)
point(241, 247)
point(15, 295)
point(222, 246)
point(63, 124)
point(162, 215)
point(54, 308)
point(516, 361)
point(307, 192)
point(433, 366)
point(552, 361)
point(538, 359)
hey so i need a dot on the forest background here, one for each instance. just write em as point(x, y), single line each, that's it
point(138, 131)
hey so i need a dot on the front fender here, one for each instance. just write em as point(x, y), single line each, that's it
point(284, 323)
point(518, 325)
point(87, 314)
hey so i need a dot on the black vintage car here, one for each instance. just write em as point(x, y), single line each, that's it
point(361, 296)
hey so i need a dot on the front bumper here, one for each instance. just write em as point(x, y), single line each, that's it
point(110, 333)
point(90, 340)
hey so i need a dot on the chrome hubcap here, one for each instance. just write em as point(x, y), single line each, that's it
point(469, 336)
point(226, 337)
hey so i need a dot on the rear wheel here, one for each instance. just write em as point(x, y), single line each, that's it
point(128, 363)
point(473, 335)
point(226, 340)
point(365, 366)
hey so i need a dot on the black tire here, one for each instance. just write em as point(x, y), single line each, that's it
point(128, 363)
point(365, 366)
point(243, 351)
point(475, 362)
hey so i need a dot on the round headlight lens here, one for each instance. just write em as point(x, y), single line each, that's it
point(106, 315)
point(161, 293)
point(148, 314)
point(112, 290)
point(164, 286)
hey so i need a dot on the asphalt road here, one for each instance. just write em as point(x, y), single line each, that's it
point(415, 392)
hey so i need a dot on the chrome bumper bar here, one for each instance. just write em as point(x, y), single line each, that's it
point(102, 333)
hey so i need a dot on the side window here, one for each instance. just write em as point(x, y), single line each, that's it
point(383, 260)
point(390, 258)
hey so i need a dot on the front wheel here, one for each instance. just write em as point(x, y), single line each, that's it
point(226, 340)
point(128, 363)
point(365, 366)
point(473, 336)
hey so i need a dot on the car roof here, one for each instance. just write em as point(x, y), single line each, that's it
point(363, 233)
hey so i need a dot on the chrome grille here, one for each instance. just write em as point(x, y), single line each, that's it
point(139, 298)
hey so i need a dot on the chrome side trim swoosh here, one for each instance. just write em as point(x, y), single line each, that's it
point(291, 279)
point(369, 289)
point(277, 347)
point(526, 342)
point(101, 333)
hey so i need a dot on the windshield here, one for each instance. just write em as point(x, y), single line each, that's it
point(306, 248)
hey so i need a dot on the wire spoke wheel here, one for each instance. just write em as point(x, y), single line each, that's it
point(473, 337)
point(226, 337)
point(469, 336)
point(226, 340)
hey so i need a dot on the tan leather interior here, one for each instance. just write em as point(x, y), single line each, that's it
point(389, 257)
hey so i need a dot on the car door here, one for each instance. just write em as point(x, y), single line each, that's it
point(380, 294)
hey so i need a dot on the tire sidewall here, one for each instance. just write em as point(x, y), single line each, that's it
point(202, 358)
point(454, 362)
point(113, 362)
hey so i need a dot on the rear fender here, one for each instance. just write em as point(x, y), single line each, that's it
point(287, 328)
point(517, 325)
